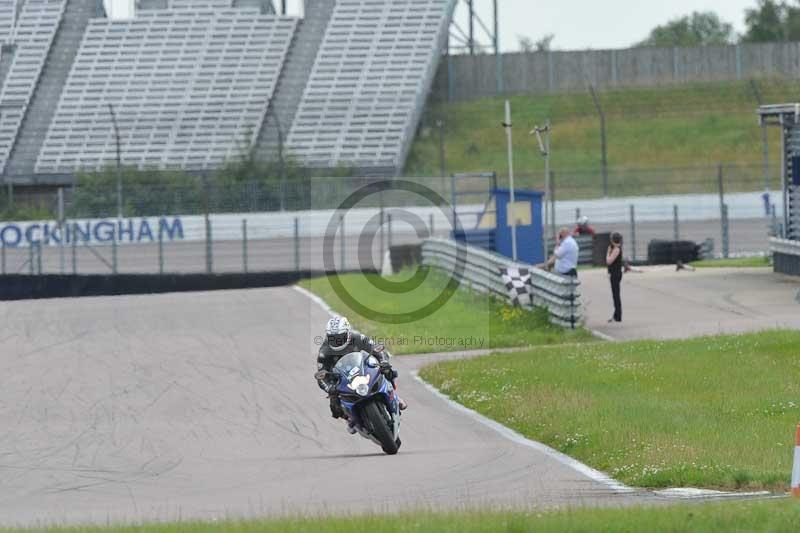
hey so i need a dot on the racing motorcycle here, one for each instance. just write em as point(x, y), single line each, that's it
point(368, 399)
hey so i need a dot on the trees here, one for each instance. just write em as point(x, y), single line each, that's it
point(697, 29)
point(772, 21)
point(526, 44)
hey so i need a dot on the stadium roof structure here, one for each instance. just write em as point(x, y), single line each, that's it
point(195, 83)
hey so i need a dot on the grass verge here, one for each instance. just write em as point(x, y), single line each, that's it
point(737, 516)
point(715, 412)
point(467, 321)
point(738, 262)
point(661, 132)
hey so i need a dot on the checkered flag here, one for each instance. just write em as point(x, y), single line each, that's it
point(518, 285)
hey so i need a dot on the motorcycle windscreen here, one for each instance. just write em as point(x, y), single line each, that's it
point(347, 363)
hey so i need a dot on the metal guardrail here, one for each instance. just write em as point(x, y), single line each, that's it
point(785, 256)
point(784, 246)
point(480, 270)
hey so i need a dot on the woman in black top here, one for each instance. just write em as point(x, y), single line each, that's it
point(614, 263)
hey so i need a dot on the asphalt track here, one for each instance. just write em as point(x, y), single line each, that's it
point(203, 406)
point(662, 303)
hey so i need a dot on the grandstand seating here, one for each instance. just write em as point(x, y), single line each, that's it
point(190, 89)
point(369, 81)
point(32, 37)
point(7, 8)
point(192, 83)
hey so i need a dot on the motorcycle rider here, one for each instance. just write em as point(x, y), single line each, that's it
point(341, 339)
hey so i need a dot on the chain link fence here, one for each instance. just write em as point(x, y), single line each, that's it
point(273, 226)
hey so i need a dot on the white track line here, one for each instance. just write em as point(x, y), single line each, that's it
point(510, 434)
point(602, 335)
point(316, 299)
point(566, 460)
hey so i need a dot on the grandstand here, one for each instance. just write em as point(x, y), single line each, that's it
point(195, 83)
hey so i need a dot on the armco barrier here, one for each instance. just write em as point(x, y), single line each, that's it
point(20, 287)
point(481, 272)
point(785, 256)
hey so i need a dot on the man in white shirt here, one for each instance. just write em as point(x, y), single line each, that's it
point(565, 256)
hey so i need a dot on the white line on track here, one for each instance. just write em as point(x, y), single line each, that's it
point(602, 335)
point(316, 299)
point(510, 434)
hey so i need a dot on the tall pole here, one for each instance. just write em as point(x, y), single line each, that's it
point(471, 42)
point(512, 211)
point(549, 211)
point(764, 138)
point(119, 161)
point(603, 148)
point(498, 59)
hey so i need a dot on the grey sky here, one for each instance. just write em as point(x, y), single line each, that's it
point(597, 24)
point(577, 24)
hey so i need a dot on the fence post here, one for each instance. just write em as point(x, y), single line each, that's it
point(74, 252)
point(675, 223)
point(61, 259)
point(39, 257)
point(114, 252)
point(723, 210)
point(296, 244)
point(342, 239)
point(633, 233)
point(209, 249)
point(160, 250)
point(773, 211)
point(30, 258)
point(3, 258)
point(725, 232)
point(577, 213)
point(430, 225)
point(389, 229)
point(244, 244)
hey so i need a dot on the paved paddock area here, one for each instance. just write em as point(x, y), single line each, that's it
point(661, 303)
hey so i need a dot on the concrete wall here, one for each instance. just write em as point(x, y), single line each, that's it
point(474, 77)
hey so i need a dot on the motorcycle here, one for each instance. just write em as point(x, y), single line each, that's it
point(368, 399)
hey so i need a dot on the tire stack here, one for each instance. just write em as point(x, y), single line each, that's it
point(670, 252)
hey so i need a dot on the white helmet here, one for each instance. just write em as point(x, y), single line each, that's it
point(339, 332)
point(583, 220)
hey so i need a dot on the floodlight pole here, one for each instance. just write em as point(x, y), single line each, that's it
point(512, 211)
point(544, 149)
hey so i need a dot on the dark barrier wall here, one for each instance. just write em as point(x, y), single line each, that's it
point(18, 287)
point(786, 263)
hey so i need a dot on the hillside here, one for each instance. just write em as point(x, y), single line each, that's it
point(660, 140)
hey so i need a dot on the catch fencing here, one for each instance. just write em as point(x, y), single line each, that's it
point(479, 270)
point(241, 227)
point(465, 77)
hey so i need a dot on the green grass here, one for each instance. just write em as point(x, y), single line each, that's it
point(669, 128)
point(715, 412)
point(739, 262)
point(467, 321)
point(727, 517)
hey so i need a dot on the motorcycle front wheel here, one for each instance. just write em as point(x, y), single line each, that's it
point(379, 421)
